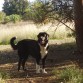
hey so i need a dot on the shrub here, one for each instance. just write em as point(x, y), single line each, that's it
point(2, 16)
point(7, 19)
point(12, 18)
point(15, 18)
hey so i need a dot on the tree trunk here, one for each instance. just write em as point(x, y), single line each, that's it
point(78, 18)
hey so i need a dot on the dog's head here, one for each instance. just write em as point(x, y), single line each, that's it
point(43, 38)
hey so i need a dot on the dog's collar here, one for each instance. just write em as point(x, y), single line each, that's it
point(43, 45)
point(46, 45)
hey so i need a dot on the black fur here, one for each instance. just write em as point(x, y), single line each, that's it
point(28, 47)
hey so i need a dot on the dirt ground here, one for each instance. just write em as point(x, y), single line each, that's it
point(60, 56)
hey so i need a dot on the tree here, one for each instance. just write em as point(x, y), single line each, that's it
point(36, 12)
point(78, 18)
point(56, 9)
point(6, 7)
point(15, 6)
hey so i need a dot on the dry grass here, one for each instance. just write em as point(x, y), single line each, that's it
point(30, 30)
point(20, 31)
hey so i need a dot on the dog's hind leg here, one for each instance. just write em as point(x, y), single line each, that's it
point(19, 63)
point(37, 65)
point(23, 64)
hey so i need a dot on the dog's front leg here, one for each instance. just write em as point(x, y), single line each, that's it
point(44, 71)
point(19, 63)
point(43, 65)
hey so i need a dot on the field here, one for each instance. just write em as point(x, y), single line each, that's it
point(30, 30)
point(61, 56)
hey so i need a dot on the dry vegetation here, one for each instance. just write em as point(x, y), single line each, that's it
point(30, 30)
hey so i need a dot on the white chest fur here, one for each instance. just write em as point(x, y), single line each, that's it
point(43, 50)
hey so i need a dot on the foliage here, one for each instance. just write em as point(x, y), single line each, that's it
point(39, 14)
point(35, 12)
point(28, 14)
point(2, 16)
point(4, 75)
point(70, 75)
point(15, 18)
point(61, 10)
point(12, 18)
point(40, 10)
point(15, 6)
point(7, 19)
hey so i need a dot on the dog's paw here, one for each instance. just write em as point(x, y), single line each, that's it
point(27, 76)
point(44, 71)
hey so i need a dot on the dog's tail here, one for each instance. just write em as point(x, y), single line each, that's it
point(12, 43)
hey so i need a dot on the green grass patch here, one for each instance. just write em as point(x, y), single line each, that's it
point(69, 75)
point(3, 76)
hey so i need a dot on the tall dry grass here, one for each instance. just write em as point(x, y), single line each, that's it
point(30, 30)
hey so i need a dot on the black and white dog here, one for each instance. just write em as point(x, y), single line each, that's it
point(38, 49)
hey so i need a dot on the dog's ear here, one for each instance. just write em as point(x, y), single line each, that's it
point(38, 35)
point(47, 35)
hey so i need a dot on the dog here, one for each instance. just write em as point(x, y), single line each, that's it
point(38, 49)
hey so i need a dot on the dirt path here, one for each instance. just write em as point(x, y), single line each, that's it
point(60, 56)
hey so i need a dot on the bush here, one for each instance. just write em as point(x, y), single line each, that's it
point(15, 18)
point(12, 18)
point(7, 19)
point(2, 16)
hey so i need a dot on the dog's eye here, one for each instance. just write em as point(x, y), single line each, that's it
point(45, 35)
point(41, 36)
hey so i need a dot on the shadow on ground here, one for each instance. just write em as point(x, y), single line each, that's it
point(59, 56)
